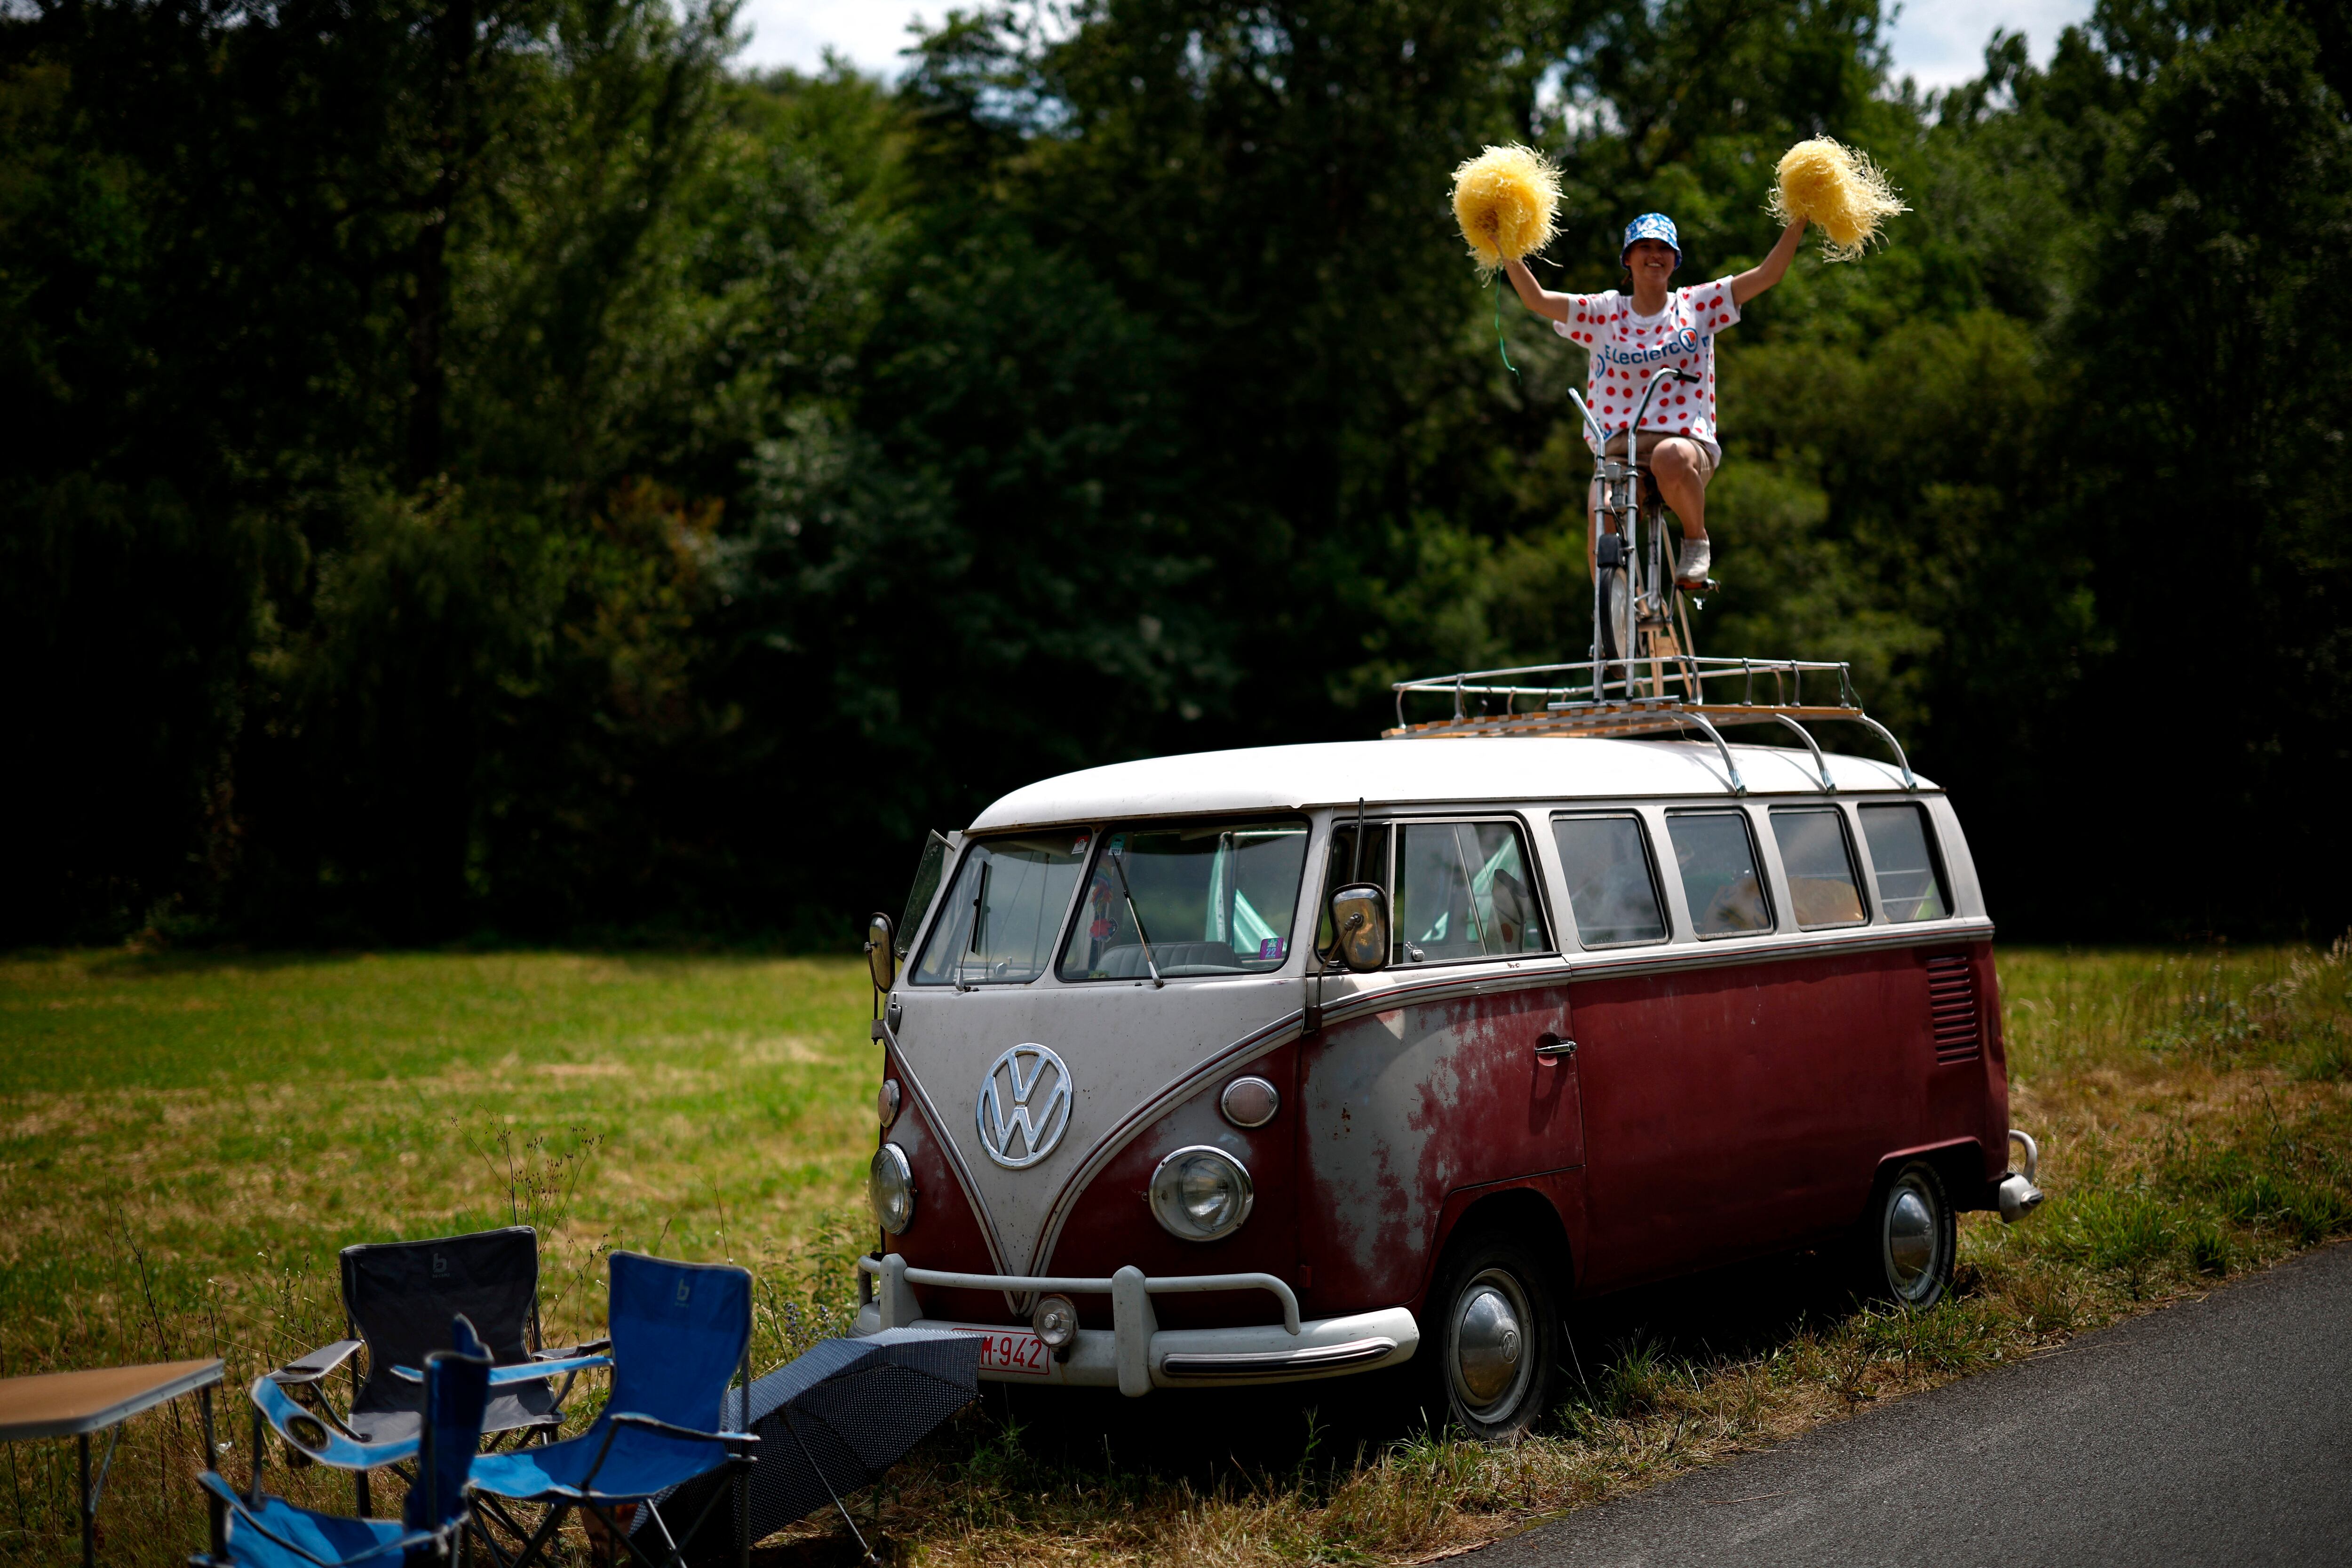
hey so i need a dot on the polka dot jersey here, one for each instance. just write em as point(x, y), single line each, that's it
point(1627, 350)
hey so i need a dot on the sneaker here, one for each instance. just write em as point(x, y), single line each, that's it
point(1696, 558)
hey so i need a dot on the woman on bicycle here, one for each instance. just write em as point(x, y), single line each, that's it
point(1631, 333)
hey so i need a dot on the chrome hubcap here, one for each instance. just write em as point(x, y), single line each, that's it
point(1489, 1333)
point(1910, 1240)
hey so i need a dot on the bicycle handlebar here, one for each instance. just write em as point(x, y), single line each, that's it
point(1593, 432)
point(1592, 427)
point(1648, 393)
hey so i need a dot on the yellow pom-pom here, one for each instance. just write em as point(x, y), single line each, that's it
point(1505, 200)
point(1837, 188)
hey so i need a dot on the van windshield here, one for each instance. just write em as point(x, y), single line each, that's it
point(1214, 898)
point(1005, 909)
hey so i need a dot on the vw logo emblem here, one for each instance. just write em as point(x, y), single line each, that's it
point(1025, 1106)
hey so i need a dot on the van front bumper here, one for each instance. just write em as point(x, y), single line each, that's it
point(1136, 1355)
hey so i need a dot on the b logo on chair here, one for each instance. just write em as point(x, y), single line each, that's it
point(685, 1292)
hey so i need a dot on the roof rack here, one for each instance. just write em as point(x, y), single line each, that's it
point(1644, 697)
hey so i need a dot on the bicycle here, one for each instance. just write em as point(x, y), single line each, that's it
point(1636, 623)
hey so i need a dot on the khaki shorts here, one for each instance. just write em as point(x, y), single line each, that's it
point(1648, 443)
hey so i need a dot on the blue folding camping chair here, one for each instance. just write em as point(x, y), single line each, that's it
point(397, 1296)
point(680, 1334)
point(253, 1529)
point(313, 1435)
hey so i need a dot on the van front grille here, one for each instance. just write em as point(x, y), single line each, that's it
point(1952, 1007)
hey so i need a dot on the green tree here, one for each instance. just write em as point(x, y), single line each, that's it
point(2208, 343)
point(488, 467)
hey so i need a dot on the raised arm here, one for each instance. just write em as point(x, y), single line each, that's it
point(1534, 295)
point(1769, 271)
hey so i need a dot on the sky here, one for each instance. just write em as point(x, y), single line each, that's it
point(1939, 41)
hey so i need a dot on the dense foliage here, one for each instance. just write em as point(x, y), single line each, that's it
point(485, 466)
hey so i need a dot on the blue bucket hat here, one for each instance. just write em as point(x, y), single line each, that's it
point(1653, 225)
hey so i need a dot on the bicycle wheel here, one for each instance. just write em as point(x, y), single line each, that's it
point(1608, 636)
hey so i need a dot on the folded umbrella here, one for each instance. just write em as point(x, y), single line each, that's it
point(839, 1416)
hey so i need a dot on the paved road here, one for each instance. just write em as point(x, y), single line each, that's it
point(2214, 1432)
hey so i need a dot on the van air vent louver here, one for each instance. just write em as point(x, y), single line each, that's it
point(1952, 1007)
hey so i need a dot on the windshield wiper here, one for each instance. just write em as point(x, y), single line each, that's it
point(1119, 864)
point(979, 913)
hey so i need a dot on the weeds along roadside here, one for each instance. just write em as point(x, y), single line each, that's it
point(2196, 1123)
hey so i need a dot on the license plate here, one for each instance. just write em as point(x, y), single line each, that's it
point(1013, 1350)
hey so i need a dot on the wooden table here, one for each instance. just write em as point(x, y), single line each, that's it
point(76, 1403)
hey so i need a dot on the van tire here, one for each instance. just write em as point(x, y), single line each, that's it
point(1490, 1348)
point(1904, 1251)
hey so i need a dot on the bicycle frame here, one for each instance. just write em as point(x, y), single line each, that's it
point(1620, 494)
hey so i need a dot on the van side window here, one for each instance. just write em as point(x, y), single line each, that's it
point(1613, 889)
point(1823, 887)
point(1716, 858)
point(928, 872)
point(1463, 891)
point(1902, 856)
point(1345, 867)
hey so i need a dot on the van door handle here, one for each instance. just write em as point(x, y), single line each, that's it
point(1550, 1048)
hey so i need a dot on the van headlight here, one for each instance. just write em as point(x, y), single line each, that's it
point(890, 1188)
point(1200, 1193)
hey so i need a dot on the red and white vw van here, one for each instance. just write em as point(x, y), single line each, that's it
point(1598, 1012)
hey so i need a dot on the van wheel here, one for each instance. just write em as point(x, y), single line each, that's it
point(1909, 1239)
point(1492, 1340)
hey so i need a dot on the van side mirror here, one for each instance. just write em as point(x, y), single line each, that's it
point(1360, 927)
point(881, 952)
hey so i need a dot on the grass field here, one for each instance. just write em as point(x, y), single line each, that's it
point(185, 1143)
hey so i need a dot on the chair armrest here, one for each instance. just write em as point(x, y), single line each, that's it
point(528, 1372)
point(533, 1372)
point(650, 1424)
point(306, 1432)
point(316, 1365)
point(592, 1347)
